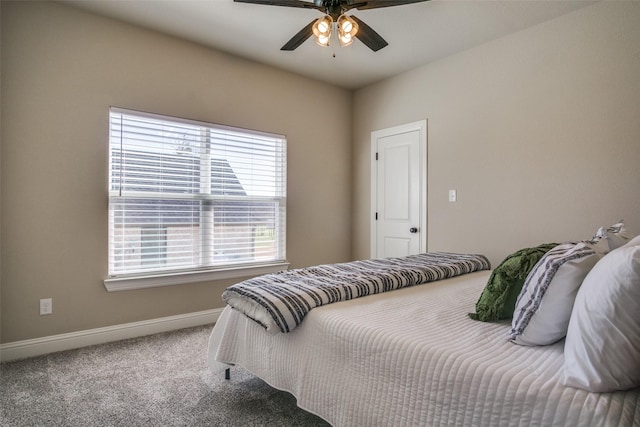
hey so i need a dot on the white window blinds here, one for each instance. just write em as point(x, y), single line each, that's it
point(187, 195)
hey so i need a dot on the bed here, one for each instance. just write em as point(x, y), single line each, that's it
point(413, 357)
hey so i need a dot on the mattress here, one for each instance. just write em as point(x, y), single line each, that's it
point(413, 357)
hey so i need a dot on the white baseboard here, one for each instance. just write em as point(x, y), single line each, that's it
point(38, 346)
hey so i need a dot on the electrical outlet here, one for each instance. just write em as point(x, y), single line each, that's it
point(46, 306)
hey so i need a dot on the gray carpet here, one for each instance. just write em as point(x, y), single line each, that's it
point(158, 380)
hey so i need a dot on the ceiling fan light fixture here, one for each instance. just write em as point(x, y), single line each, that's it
point(347, 25)
point(322, 27)
point(347, 29)
point(345, 39)
point(323, 40)
point(322, 30)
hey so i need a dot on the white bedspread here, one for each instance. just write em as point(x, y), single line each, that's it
point(412, 357)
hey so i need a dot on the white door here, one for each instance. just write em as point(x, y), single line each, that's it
point(399, 191)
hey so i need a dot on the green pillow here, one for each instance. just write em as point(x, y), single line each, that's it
point(498, 299)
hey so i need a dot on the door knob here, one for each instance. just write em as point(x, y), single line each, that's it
point(413, 230)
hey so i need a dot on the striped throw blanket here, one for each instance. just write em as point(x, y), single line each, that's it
point(280, 301)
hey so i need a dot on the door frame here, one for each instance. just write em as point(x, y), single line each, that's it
point(420, 126)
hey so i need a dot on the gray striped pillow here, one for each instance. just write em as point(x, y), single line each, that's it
point(543, 308)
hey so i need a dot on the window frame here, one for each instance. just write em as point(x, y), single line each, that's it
point(162, 277)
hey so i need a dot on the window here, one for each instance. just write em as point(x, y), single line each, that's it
point(190, 197)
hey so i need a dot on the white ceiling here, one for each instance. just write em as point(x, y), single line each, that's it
point(417, 33)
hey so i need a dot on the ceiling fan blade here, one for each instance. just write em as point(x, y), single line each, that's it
point(375, 4)
point(286, 3)
point(300, 37)
point(368, 36)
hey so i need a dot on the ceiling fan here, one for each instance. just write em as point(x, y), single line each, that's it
point(348, 26)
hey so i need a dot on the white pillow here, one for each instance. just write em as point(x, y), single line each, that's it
point(633, 242)
point(602, 350)
point(543, 308)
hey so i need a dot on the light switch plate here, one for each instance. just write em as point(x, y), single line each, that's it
point(46, 306)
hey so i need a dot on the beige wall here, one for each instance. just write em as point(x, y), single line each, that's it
point(539, 132)
point(61, 70)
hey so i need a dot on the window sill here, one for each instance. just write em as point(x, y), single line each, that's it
point(170, 279)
